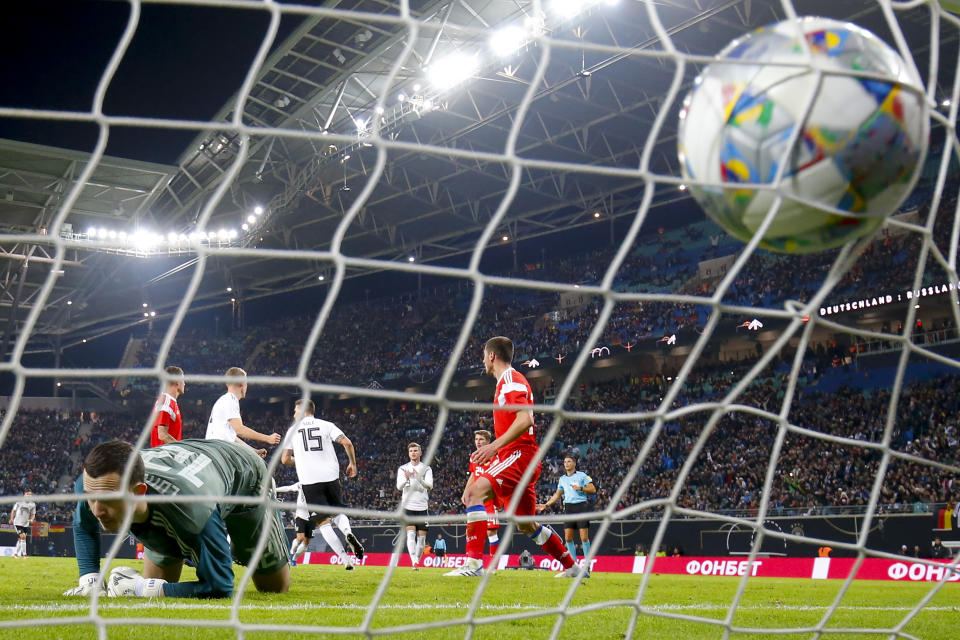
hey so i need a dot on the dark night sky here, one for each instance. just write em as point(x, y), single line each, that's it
point(184, 62)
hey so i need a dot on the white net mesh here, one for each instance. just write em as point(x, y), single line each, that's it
point(579, 125)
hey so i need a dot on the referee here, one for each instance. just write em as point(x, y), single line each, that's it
point(573, 486)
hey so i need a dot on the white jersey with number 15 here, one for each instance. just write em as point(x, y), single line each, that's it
point(312, 441)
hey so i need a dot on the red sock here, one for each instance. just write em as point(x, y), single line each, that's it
point(476, 531)
point(554, 546)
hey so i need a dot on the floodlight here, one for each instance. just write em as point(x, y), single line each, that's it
point(567, 8)
point(222, 234)
point(258, 210)
point(411, 259)
point(172, 237)
point(452, 70)
point(212, 235)
point(232, 234)
point(91, 231)
point(101, 233)
point(153, 313)
point(507, 40)
point(251, 219)
point(145, 305)
point(245, 226)
point(112, 234)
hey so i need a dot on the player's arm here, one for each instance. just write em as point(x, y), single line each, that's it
point(401, 480)
point(552, 501)
point(427, 479)
point(290, 488)
point(14, 510)
point(244, 431)
point(589, 487)
point(86, 542)
point(286, 458)
point(163, 434)
point(347, 445)
point(522, 421)
point(33, 514)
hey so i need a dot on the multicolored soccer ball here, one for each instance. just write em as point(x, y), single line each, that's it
point(862, 138)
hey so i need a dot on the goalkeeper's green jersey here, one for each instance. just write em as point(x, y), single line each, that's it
point(203, 472)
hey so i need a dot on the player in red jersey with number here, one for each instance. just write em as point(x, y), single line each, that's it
point(483, 437)
point(168, 426)
point(503, 463)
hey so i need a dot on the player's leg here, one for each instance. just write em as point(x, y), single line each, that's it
point(543, 535)
point(334, 498)
point(493, 528)
point(326, 530)
point(476, 493)
point(585, 537)
point(165, 568)
point(421, 540)
point(412, 544)
point(569, 529)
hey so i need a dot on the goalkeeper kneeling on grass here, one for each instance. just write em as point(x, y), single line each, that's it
point(203, 471)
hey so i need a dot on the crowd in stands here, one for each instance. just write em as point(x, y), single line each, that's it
point(812, 474)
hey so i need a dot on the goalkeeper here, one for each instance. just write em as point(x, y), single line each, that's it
point(173, 531)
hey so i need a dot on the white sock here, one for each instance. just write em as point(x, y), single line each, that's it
point(294, 545)
point(421, 543)
point(343, 523)
point(301, 549)
point(412, 545)
point(22, 547)
point(331, 537)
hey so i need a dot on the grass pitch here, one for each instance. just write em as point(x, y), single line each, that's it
point(329, 602)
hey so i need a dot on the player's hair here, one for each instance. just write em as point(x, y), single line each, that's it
point(486, 434)
point(500, 347)
point(572, 457)
point(235, 372)
point(309, 406)
point(111, 457)
point(414, 444)
point(174, 371)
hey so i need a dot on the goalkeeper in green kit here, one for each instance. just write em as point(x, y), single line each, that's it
point(172, 531)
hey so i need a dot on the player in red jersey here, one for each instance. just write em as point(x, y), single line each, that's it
point(483, 437)
point(504, 462)
point(168, 426)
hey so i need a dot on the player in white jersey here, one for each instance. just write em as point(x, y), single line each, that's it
point(415, 480)
point(22, 516)
point(308, 446)
point(304, 529)
point(225, 422)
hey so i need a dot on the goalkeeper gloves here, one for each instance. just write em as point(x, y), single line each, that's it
point(88, 582)
point(124, 581)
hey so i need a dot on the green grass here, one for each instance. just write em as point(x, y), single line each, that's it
point(336, 602)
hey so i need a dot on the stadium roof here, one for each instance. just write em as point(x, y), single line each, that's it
point(310, 155)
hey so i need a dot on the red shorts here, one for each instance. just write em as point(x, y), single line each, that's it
point(504, 475)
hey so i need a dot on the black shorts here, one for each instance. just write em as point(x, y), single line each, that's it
point(323, 493)
point(573, 510)
point(439, 552)
point(22, 530)
point(305, 527)
point(414, 516)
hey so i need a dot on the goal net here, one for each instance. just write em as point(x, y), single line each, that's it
point(389, 184)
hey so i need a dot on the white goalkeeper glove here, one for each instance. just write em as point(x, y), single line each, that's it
point(124, 581)
point(88, 582)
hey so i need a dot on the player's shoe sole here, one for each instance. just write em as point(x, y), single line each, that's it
point(355, 547)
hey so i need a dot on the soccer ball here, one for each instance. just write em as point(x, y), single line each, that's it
point(862, 138)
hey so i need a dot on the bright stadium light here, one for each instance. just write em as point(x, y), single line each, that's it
point(172, 237)
point(321, 278)
point(258, 210)
point(69, 302)
point(123, 236)
point(146, 315)
point(401, 97)
point(229, 289)
point(145, 305)
point(245, 226)
point(411, 259)
point(223, 234)
point(567, 8)
point(232, 234)
point(91, 231)
point(112, 235)
point(507, 40)
point(452, 70)
point(153, 313)
point(251, 219)
point(101, 233)
point(212, 235)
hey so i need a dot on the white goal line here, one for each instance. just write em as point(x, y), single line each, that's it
point(117, 606)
